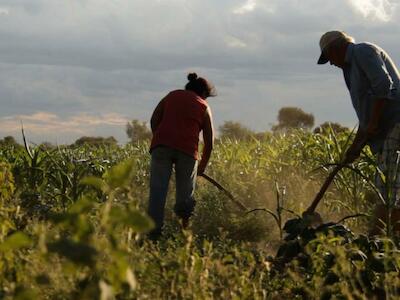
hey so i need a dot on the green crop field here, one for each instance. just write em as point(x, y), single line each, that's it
point(73, 225)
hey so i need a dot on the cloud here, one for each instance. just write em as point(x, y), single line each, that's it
point(234, 42)
point(52, 125)
point(39, 117)
point(381, 10)
point(4, 11)
point(249, 6)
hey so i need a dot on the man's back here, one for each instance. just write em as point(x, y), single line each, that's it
point(370, 74)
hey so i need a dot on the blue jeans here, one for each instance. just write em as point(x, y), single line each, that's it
point(162, 160)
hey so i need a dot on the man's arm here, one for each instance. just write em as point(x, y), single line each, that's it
point(377, 111)
point(363, 134)
point(157, 115)
point(355, 148)
point(373, 65)
point(208, 137)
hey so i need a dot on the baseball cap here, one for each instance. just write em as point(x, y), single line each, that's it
point(328, 38)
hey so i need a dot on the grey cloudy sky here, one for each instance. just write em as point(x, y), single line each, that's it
point(86, 67)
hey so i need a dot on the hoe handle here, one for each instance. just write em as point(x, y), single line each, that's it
point(221, 188)
point(323, 189)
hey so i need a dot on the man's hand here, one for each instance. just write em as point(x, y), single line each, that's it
point(365, 134)
point(355, 149)
point(352, 154)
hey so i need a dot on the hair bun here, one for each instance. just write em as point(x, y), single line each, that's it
point(192, 76)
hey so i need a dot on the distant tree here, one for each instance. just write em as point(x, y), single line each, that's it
point(95, 141)
point(262, 136)
point(235, 130)
point(293, 117)
point(138, 131)
point(336, 127)
point(9, 141)
point(47, 146)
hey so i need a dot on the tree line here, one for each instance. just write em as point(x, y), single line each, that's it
point(289, 118)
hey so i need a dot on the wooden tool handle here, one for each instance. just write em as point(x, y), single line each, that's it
point(323, 189)
point(221, 188)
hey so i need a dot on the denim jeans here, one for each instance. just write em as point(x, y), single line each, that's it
point(162, 160)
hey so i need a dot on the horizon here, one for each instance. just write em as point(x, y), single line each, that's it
point(19, 139)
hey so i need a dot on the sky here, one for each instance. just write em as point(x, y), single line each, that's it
point(70, 68)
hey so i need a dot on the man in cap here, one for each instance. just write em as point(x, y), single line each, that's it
point(373, 82)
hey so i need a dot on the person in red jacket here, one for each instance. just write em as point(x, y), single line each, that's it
point(176, 124)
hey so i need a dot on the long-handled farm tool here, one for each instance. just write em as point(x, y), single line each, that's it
point(310, 213)
point(221, 188)
point(301, 230)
